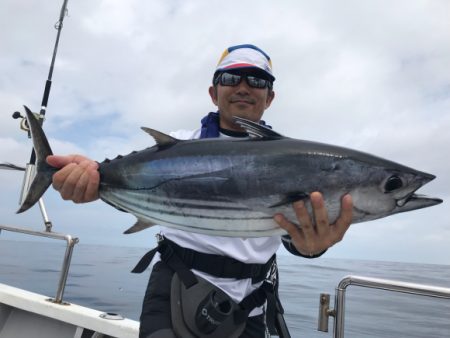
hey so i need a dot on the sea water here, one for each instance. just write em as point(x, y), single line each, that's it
point(100, 278)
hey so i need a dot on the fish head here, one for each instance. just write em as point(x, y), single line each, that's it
point(390, 191)
point(402, 187)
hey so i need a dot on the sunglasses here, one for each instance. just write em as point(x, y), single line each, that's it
point(228, 79)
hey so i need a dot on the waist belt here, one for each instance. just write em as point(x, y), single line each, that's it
point(215, 265)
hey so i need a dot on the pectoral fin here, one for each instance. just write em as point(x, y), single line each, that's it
point(291, 198)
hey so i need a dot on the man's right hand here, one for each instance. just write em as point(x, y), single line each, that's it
point(77, 180)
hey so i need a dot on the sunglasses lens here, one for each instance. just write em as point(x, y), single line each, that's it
point(227, 79)
point(256, 82)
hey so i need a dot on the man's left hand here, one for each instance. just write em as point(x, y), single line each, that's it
point(312, 238)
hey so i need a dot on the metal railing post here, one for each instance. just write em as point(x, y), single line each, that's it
point(65, 268)
point(339, 319)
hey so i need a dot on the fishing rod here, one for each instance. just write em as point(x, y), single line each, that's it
point(30, 167)
point(48, 82)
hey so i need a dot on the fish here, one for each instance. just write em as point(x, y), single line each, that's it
point(234, 187)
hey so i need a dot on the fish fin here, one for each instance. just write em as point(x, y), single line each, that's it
point(44, 172)
point(291, 198)
point(256, 130)
point(138, 226)
point(161, 139)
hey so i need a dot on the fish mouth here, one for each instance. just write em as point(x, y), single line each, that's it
point(417, 201)
point(412, 201)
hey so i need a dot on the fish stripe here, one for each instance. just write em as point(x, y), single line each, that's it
point(245, 223)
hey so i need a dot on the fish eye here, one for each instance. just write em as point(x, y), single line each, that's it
point(393, 183)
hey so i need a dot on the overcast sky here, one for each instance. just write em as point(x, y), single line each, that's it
point(370, 75)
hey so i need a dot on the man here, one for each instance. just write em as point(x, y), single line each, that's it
point(242, 86)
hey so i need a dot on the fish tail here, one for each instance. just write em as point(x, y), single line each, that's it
point(44, 171)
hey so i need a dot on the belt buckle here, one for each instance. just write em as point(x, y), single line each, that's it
point(159, 238)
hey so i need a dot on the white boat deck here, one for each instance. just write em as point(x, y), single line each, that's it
point(26, 314)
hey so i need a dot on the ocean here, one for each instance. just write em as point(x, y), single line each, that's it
point(100, 278)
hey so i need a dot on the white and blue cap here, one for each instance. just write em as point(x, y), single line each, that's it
point(245, 57)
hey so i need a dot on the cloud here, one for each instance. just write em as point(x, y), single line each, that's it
point(371, 76)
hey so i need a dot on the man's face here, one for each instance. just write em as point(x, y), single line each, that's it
point(240, 100)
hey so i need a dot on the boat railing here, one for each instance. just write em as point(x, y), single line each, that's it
point(338, 313)
point(48, 233)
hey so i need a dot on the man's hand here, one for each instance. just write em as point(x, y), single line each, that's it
point(78, 179)
point(310, 239)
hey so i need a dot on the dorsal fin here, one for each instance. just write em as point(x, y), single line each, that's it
point(161, 139)
point(256, 130)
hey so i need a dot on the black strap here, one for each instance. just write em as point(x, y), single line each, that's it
point(255, 299)
point(258, 297)
point(274, 312)
point(216, 265)
point(145, 261)
point(171, 259)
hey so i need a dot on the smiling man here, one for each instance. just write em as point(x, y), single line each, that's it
point(210, 286)
point(247, 99)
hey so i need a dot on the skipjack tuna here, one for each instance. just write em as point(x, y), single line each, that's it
point(233, 187)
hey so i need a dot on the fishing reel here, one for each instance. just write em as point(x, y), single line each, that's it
point(24, 123)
